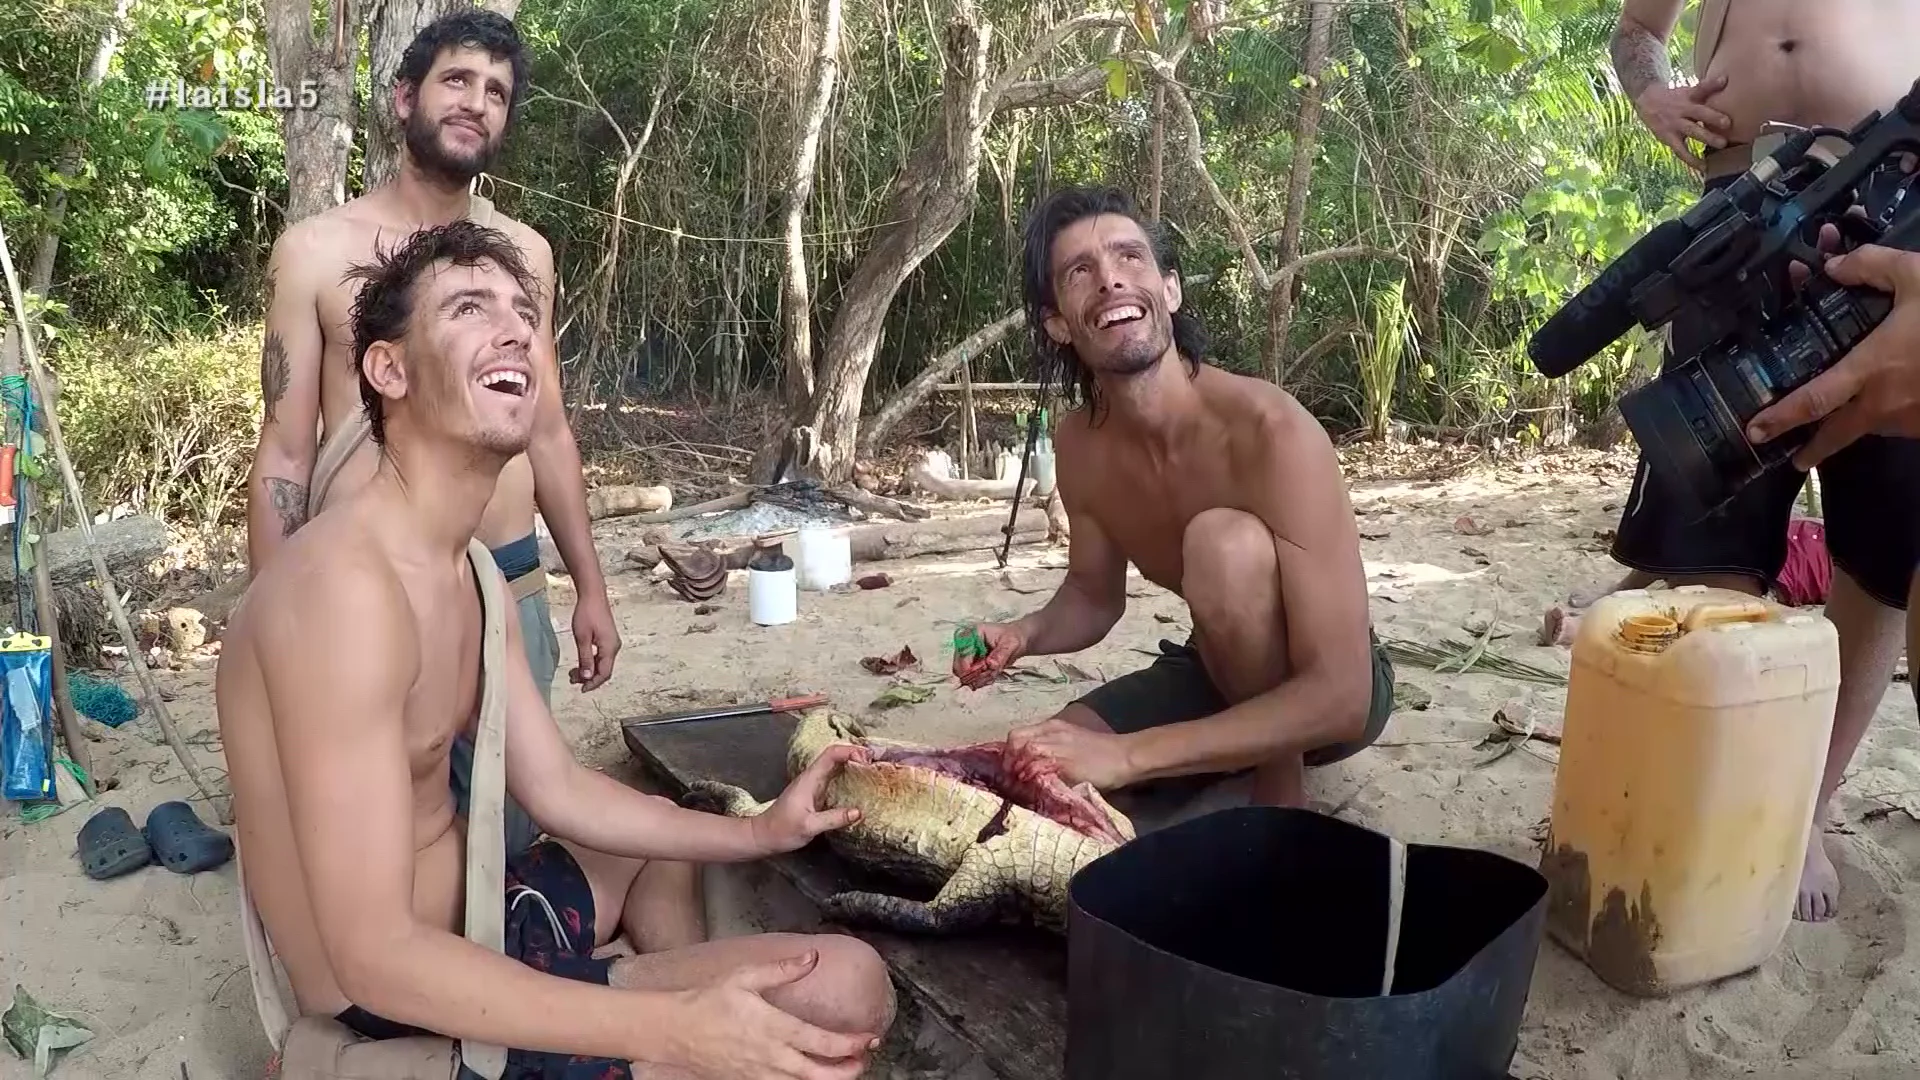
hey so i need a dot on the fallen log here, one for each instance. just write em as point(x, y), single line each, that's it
point(951, 536)
point(946, 487)
point(879, 504)
point(127, 544)
point(622, 500)
point(883, 541)
point(739, 500)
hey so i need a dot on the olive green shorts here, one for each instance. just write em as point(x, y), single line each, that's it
point(1176, 688)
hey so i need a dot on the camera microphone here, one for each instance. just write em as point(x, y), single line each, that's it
point(1600, 313)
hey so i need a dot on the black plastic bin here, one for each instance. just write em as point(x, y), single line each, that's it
point(1252, 942)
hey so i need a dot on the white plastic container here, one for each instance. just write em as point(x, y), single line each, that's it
point(826, 558)
point(1041, 469)
point(772, 598)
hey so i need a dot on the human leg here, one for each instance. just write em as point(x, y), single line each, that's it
point(1232, 587)
point(848, 989)
point(538, 640)
point(1873, 536)
point(660, 904)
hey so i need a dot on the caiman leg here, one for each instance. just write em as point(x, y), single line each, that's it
point(980, 888)
point(714, 797)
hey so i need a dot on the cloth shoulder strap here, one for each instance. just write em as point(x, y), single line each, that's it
point(486, 832)
point(486, 817)
point(340, 444)
point(1706, 38)
point(480, 209)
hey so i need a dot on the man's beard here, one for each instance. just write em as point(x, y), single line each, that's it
point(430, 155)
point(1134, 356)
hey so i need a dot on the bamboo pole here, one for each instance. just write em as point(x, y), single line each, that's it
point(103, 577)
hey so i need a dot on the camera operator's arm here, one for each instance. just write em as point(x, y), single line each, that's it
point(1672, 113)
point(1875, 388)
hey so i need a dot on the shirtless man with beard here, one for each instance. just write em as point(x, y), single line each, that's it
point(352, 664)
point(455, 93)
point(1218, 487)
point(1830, 63)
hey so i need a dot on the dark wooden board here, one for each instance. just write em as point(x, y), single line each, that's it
point(1003, 991)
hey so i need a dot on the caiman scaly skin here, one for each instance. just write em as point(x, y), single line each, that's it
point(991, 859)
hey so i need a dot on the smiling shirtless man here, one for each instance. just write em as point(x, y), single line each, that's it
point(1829, 64)
point(352, 664)
point(455, 93)
point(1219, 487)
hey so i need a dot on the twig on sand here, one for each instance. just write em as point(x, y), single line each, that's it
point(1459, 656)
point(107, 588)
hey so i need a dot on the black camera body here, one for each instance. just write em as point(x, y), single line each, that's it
point(1757, 337)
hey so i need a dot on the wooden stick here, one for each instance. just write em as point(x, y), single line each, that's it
point(49, 617)
point(879, 504)
point(105, 579)
point(739, 500)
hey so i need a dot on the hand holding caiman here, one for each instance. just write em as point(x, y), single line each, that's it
point(1000, 839)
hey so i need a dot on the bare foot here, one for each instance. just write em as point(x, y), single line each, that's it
point(1819, 898)
point(1579, 599)
point(1559, 626)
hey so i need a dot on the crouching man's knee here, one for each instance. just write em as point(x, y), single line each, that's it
point(851, 985)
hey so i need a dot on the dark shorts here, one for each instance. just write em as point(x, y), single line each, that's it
point(549, 928)
point(1870, 498)
point(1176, 688)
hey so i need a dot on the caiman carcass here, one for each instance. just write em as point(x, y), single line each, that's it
point(1000, 843)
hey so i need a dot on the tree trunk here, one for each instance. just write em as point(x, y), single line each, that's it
point(394, 24)
point(931, 197)
point(1306, 137)
point(317, 139)
point(1157, 156)
point(796, 298)
point(915, 392)
point(46, 248)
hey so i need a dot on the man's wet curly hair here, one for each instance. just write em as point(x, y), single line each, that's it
point(383, 309)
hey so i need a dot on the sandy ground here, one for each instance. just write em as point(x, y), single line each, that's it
point(153, 962)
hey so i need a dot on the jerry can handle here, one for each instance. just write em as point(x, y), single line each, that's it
point(1715, 614)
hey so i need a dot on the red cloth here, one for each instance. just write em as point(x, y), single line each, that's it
point(1808, 574)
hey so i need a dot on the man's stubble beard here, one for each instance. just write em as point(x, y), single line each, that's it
point(1137, 356)
point(422, 138)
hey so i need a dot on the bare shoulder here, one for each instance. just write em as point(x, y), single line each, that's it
point(318, 251)
point(533, 246)
point(329, 601)
point(1267, 423)
point(1076, 450)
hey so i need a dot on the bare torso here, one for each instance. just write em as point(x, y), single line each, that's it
point(1828, 63)
point(1143, 499)
point(442, 702)
point(349, 236)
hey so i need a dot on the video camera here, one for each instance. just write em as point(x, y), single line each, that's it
point(1725, 263)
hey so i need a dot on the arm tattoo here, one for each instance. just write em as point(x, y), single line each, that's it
point(1640, 59)
point(274, 375)
point(289, 501)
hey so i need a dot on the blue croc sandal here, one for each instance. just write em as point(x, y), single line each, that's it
point(184, 843)
point(110, 846)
